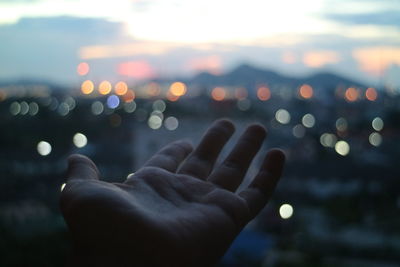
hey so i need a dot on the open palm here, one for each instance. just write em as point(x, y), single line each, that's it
point(177, 210)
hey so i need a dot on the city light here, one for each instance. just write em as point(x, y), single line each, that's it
point(178, 89)
point(154, 122)
point(306, 91)
point(113, 101)
point(43, 148)
point(129, 96)
point(342, 148)
point(371, 94)
point(308, 120)
point(97, 108)
point(341, 124)
point(351, 94)
point(375, 139)
point(328, 140)
point(159, 105)
point(286, 211)
point(218, 94)
point(105, 87)
point(282, 116)
point(171, 123)
point(377, 124)
point(79, 140)
point(130, 107)
point(299, 131)
point(121, 88)
point(263, 93)
point(87, 87)
point(83, 69)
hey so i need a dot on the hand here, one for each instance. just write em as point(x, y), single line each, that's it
point(177, 210)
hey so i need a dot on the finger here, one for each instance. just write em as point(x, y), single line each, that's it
point(230, 173)
point(81, 167)
point(200, 163)
point(171, 156)
point(261, 188)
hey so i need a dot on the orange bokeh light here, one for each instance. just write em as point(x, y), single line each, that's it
point(371, 94)
point(105, 87)
point(153, 89)
point(83, 68)
point(263, 93)
point(178, 89)
point(129, 96)
point(171, 97)
point(306, 91)
point(87, 87)
point(218, 93)
point(241, 93)
point(121, 88)
point(351, 94)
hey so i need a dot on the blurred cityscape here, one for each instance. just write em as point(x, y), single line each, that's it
point(337, 204)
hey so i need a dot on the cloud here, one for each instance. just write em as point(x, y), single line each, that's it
point(376, 60)
point(317, 59)
point(384, 18)
point(47, 48)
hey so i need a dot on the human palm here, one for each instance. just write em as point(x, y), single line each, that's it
point(177, 210)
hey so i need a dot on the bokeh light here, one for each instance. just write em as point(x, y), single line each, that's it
point(159, 105)
point(342, 148)
point(282, 116)
point(377, 124)
point(44, 148)
point(63, 109)
point(351, 94)
point(171, 97)
point(83, 68)
point(306, 91)
point(308, 120)
point(286, 211)
point(33, 108)
point(87, 87)
point(241, 93)
point(154, 122)
point(129, 96)
point(328, 140)
point(97, 108)
point(178, 89)
point(218, 94)
point(121, 88)
point(244, 104)
point(79, 140)
point(371, 94)
point(153, 89)
point(341, 124)
point(130, 107)
point(375, 139)
point(105, 87)
point(15, 108)
point(113, 101)
point(263, 93)
point(171, 123)
point(24, 108)
point(299, 131)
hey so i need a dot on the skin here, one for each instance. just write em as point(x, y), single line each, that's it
point(179, 209)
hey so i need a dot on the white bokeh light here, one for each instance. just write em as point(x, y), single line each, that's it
point(342, 148)
point(44, 148)
point(79, 140)
point(286, 211)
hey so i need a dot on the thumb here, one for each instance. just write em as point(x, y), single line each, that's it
point(82, 168)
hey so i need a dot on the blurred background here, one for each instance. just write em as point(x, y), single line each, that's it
point(116, 80)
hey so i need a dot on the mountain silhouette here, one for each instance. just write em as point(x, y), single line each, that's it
point(249, 76)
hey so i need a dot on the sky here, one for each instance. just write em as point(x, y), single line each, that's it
point(134, 40)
